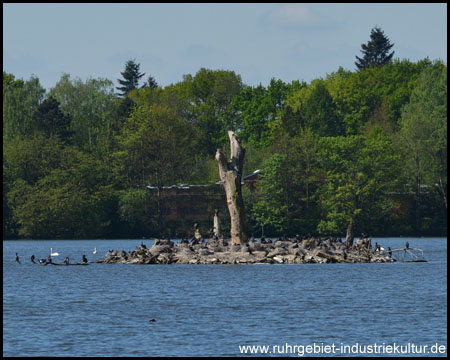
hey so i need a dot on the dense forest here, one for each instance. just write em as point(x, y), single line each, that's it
point(366, 147)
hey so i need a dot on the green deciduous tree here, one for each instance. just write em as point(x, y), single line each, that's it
point(305, 168)
point(288, 186)
point(304, 175)
point(255, 112)
point(320, 114)
point(32, 157)
point(137, 210)
point(359, 177)
point(20, 101)
point(92, 106)
point(272, 207)
point(9, 230)
point(374, 95)
point(210, 93)
point(422, 138)
point(155, 147)
point(70, 199)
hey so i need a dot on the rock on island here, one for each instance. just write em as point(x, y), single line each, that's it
point(220, 251)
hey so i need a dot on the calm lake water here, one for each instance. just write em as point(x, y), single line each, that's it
point(211, 310)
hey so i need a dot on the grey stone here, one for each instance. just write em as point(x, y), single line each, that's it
point(235, 248)
point(283, 251)
point(277, 251)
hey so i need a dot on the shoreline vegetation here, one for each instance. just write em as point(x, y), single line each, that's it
point(355, 151)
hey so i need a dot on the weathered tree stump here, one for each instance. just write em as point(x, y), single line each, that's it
point(231, 176)
point(216, 224)
point(350, 234)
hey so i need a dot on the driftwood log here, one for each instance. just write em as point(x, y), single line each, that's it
point(231, 177)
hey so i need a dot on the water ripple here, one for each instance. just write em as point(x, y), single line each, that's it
point(103, 310)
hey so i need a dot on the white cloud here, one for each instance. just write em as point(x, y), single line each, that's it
point(294, 15)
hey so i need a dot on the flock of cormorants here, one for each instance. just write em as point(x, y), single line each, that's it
point(49, 259)
point(85, 260)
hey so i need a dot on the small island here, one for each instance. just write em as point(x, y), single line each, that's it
point(308, 250)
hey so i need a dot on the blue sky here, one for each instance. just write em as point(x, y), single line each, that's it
point(257, 41)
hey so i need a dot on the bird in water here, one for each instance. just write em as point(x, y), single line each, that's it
point(17, 258)
point(32, 259)
point(53, 253)
point(152, 320)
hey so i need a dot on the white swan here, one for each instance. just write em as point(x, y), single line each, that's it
point(53, 253)
point(95, 251)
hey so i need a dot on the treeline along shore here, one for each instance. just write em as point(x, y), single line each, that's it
point(365, 148)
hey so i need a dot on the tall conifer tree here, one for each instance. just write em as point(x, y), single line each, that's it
point(131, 77)
point(376, 51)
point(151, 83)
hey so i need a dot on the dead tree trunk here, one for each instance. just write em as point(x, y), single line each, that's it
point(231, 175)
point(350, 234)
point(216, 225)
